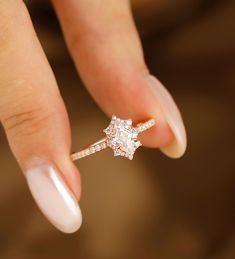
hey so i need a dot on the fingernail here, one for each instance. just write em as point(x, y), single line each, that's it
point(173, 117)
point(53, 196)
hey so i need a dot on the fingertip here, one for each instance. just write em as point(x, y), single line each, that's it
point(158, 136)
point(177, 146)
point(53, 195)
point(175, 150)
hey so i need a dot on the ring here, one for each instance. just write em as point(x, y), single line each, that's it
point(121, 136)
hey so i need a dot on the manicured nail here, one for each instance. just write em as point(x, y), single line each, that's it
point(172, 115)
point(53, 196)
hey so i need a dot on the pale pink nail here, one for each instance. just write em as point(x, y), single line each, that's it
point(53, 196)
point(173, 117)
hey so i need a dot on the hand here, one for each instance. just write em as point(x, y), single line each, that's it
point(106, 49)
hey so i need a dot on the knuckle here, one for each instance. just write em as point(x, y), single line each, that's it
point(26, 123)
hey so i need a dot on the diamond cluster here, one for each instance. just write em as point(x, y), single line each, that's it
point(122, 137)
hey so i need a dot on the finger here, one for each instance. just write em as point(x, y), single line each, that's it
point(107, 52)
point(35, 120)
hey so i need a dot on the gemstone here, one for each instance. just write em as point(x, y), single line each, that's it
point(107, 130)
point(97, 148)
point(117, 152)
point(103, 145)
point(122, 137)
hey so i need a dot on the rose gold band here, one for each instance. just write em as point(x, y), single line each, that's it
point(90, 149)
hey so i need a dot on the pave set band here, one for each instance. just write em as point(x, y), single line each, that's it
point(121, 136)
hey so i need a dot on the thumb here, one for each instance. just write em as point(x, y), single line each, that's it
point(35, 121)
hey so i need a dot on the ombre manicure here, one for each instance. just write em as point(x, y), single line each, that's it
point(172, 115)
point(53, 196)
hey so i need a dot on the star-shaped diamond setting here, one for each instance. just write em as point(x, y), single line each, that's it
point(122, 137)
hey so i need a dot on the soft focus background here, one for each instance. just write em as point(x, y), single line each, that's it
point(152, 207)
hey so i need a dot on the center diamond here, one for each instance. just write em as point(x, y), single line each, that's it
point(122, 137)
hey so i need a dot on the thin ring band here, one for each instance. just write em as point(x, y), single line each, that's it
point(105, 142)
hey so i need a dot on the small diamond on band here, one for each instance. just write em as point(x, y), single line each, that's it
point(121, 136)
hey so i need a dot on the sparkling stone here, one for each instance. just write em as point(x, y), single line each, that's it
point(129, 122)
point(137, 143)
point(98, 148)
point(103, 145)
point(117, 152)
point(107, 130)
point(115, 142)
point(123, 138)
point(130, 157)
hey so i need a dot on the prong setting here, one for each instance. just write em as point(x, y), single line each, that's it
point(122, 137)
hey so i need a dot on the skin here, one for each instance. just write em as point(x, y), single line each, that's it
point(108, 56)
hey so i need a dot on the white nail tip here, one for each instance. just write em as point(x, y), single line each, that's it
point(173, 117)
point(177, 148)
point(174, 150)
point(54, 198)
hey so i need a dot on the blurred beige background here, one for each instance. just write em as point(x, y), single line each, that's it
point(152, 207)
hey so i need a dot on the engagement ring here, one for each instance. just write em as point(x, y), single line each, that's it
point(121, 136)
